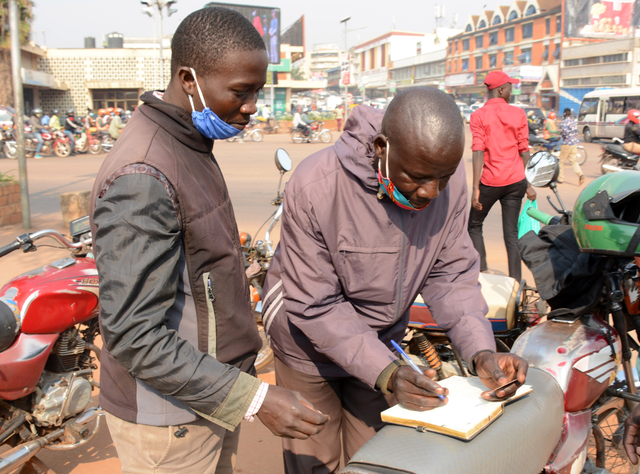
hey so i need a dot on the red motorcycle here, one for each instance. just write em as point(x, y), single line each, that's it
point(54, 141)
point(48, 325)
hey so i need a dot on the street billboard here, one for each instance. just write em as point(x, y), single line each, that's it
point(601, 18)
point(265, 19)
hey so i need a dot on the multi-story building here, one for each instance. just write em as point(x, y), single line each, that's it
point(588, 66)
point(420, 70)
point(324, 57)
point(523, 40)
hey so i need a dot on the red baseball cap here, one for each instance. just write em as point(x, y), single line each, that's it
point(498, 78)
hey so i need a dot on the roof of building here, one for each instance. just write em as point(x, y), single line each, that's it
point(546, 5)
point(388, 35)
point(521, 4)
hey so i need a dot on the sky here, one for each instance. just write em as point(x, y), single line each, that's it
point(65, 23)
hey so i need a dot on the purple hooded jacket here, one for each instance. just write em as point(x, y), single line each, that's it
point(349, 265)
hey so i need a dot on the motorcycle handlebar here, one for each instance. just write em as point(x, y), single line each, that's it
point(7, 249)
point(30, 238)
point(540, 216)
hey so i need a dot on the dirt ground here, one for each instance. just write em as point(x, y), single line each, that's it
point(252, 179)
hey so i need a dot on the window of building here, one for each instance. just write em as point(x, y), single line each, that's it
point(558, 24)
point(483, 24)
point(465, 44)
point(479, 41)
point(556, 51)
point(468, 28)
point(508, 58)
point(591, 60)
point(478, 62)
point(496, 20)
point(547, 26)
point(571, 82)
point(383, 55)
point(572, 62)
point(525, 56)
point(126, 99)
point(545, 54)
point(493, 61)
point(530, 11)
point(513, 15)
point(527, 30)
point(508, 35)
point(465, 64)
point(614, 58)
point(493, 38)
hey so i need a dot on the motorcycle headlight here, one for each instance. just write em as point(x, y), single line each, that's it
point(8, 326)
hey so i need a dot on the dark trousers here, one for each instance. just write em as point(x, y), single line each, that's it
point(510, 198)
point(354, 409)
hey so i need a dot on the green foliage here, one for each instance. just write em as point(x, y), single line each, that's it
point(25, 8)
point(7, 176)
point(297, 74)
point(321, 116)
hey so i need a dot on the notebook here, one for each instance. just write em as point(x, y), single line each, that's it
point(465, 414)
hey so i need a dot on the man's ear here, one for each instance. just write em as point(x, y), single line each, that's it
point(188, 82)
point(380, 145)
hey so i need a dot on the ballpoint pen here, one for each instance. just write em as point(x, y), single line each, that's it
point(408, 360)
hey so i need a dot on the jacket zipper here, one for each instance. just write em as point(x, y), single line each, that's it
point(401, 270)
point(212, 298)
point(212, 335)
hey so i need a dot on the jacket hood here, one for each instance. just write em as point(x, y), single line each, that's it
point(355, 146)
point(174, 120)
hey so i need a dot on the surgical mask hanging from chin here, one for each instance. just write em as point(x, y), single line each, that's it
point(207, 122)
point(390, 190)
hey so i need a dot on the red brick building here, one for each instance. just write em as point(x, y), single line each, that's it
point(522, 39)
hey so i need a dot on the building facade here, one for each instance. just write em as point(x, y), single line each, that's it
point(420, 70)
point(523, 40)
point(586, 67)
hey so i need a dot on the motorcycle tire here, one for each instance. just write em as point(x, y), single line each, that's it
point(257, 136)
point(610, 423)
point(297, 136)
point(609, 160)
point(581, 156)
point(231, 140)
point(107, 143)
point(325, 136)
point(62, 149)
point(10, 152)
point(95, 148)
point(265, 355)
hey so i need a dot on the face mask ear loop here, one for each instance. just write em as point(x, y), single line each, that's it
point(387, 160)
point(193, 109)
point(204, 104)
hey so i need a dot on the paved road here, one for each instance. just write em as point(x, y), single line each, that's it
point(252, 180)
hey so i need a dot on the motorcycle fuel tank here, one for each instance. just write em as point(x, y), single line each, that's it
point(583, 356)
point(55, 297)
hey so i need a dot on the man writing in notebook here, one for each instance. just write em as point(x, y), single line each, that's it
point(368, 224)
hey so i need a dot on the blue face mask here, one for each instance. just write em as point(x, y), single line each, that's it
point(390, 190)
point(207, 122)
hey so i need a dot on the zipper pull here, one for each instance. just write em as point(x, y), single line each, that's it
point(210, 290)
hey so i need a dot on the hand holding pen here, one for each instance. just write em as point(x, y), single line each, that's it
point(415, 389)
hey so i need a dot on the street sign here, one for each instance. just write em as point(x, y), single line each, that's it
point(392, 87)
point(349, 96)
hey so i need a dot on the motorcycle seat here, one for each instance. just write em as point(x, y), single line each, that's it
point(499, 291)
point(519, 441)
point(533, 140)
point(619, 149)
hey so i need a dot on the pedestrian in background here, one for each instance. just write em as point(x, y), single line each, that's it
point(569, 148)
point(339, 117)
point(500, 152)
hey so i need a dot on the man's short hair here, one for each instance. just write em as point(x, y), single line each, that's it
point(567, 112)
point(205, 36)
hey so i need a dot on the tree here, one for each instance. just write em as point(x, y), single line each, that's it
point(25, 11)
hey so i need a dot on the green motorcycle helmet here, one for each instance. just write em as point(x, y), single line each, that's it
point(606, 216)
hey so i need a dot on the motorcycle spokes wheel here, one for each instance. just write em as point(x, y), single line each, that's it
point(256, 135)
point(62, 149)
point(297, 137)
point(95, 148)
point(325, 136)
point(611, 425)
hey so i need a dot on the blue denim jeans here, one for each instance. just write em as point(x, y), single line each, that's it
point(73, 141)
point(38, 136)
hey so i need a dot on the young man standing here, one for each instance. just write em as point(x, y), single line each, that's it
point(569, 148)
point(179, 336)
point(500, 151)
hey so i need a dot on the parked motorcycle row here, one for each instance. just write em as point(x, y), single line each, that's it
point(572, 329)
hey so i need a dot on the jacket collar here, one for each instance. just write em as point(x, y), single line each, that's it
point(175, 121)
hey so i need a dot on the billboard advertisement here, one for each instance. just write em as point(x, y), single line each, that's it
point(266, 20)
point(601, 18)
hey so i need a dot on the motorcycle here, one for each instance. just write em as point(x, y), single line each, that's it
point(581, 419)
point(269, 125)
point(250, 131)
point(53, 141)
point(257, 257)
point(316, 133)
point(106, 141)
point(49, 323)
point(615, 158)
point(537, 144)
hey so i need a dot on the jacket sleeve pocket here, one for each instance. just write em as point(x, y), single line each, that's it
point(211, 298)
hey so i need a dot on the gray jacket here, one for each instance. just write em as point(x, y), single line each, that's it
point(349, 265)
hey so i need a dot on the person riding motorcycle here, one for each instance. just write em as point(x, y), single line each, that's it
point(54, 120)
point(533, 123)
point(102, 124)
point(551, 131)
point(36, 129)
point(71, 126)
point(303, 122)
point(632, 132)
point(116, 125)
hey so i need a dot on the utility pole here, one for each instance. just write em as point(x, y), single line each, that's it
point(148, 10)
point(18, 102)
point(346, 51)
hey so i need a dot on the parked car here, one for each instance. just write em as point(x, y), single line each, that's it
point(466, 114)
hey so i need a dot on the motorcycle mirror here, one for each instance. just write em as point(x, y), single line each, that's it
point(283, 160)
point(542, 169)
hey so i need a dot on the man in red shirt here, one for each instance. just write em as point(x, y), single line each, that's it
point(500, 153)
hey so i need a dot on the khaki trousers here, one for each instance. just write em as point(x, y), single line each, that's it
point(569, 152)
point(354, 409)
point(632, 148)
point(205, 448)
